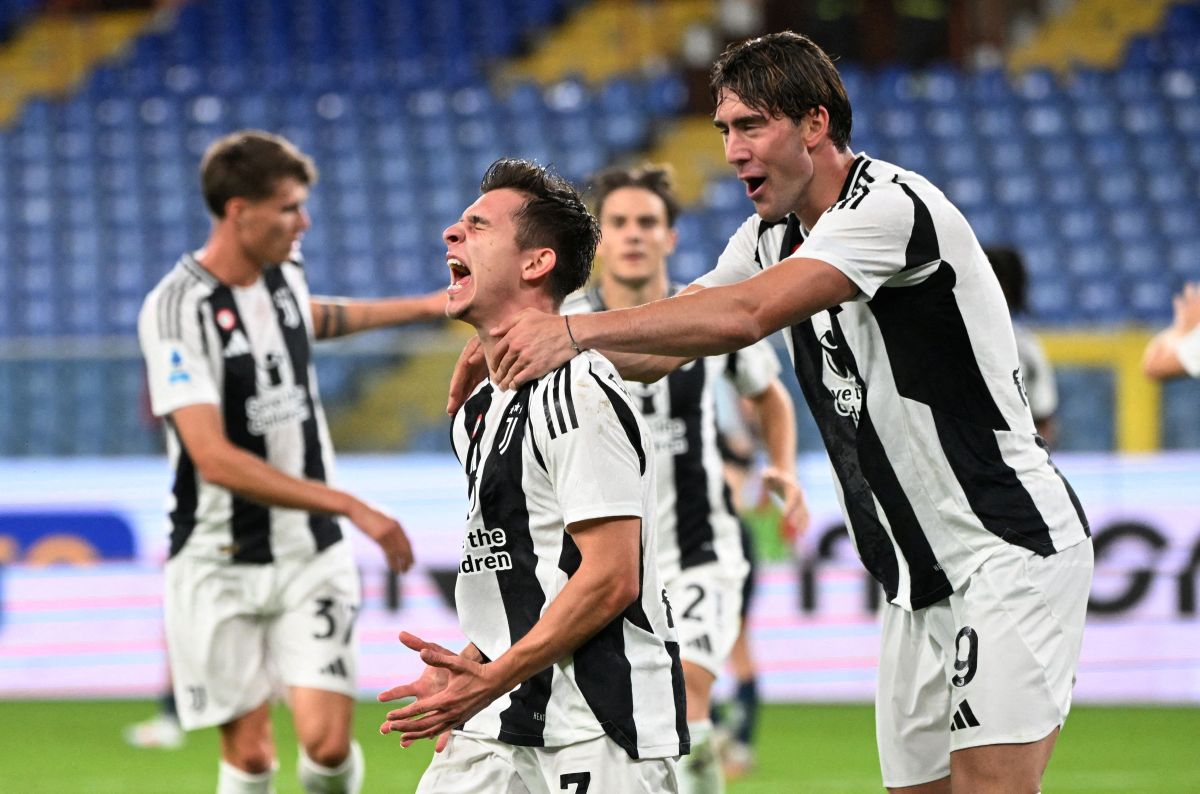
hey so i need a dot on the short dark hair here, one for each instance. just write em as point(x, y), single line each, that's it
point(554, 216)
point(249, 164)
point(784, 74)
point(655, 178)
point(1010, 272)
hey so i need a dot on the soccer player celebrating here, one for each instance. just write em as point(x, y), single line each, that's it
point(261, 587)
point(572, 679)
point(700, 553)
point(904, 350)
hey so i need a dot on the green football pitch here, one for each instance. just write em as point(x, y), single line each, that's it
point(62, 746)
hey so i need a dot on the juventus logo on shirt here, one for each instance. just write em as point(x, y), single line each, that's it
point(510, 424)
point(286, 304)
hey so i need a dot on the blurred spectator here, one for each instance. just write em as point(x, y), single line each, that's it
point(1040, 390)
point(1175, 351)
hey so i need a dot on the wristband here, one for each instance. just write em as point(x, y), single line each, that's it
point(574, 345)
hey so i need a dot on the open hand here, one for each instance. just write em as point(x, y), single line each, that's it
point(531, 344)
point(794, 509)
point(450, 691)
point(387, 532)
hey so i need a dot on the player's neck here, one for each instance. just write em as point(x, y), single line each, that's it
point(619, 294)
point(226, 260)
point(830, 169)
point(538, 300)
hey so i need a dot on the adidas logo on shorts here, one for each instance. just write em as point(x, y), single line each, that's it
point(963, 718)
point(336, 667)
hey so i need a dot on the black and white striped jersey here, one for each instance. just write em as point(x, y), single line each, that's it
point(696, 520)
point(915, 386)
point(565, 448)
point(246, 350)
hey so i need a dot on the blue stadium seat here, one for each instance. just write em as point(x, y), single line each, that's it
point(1067, 189)
point(967, 192)
point(1183, 257)
point(1086, 261)
point(1117, 187)
point(1131, 223)
point(988, 225)
point(1080, 224)
point(1142, 259)
point(1052, 299)
point(1149, 299)
point(1008, 155)
point(1019, 190)
point(1043, 260)
point(1029, 224)
point(1102, 301)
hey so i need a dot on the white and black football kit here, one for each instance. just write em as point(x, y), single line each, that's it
point(565, 448)
point(916, 389)
point(233, 561)
point(701, 557)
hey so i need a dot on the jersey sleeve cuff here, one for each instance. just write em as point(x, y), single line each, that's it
point(609, 510)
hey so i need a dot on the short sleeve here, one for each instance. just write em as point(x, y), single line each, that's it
point(178, 371)
point(866, 238)
point(737, 262)
point(590, 438)
point(1188, 351)
point(752, 369)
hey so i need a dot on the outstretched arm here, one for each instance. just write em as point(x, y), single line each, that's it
point(701, 323)
point(606, 582)
point(333, 317)
point(222, 463)
point(1168, 353)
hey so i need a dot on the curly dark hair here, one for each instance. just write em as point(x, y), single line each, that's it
point(648, 176)
point(784, 74)
point(553, 217)
point(249, 164)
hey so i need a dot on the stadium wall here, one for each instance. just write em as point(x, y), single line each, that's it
point(82, 541)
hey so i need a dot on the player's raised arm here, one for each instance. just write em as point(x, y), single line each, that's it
point(703, 323)
point(334, 317)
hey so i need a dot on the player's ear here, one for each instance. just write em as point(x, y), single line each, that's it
point(815, 124)
point(672, 240)
point(234, 208)
point(539, 265)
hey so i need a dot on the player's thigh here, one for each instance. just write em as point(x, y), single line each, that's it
point(1001, 768)
point(470, 765)
point(1011, 644)
point(600, 765)
point(313, 638)
point(706, 607)
point(215, 640)
point(912, 702)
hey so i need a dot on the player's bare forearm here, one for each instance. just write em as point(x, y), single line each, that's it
point(717, 320)
point(222, 463)
point(334, 317)
point(605, 584)
point(777, 417)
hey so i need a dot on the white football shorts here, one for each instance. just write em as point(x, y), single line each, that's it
point(471, 764)
point(992, 664)
point(706, 606)
point(237, 635)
